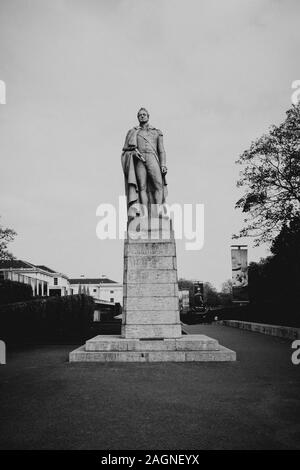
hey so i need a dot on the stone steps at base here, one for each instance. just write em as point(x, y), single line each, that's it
point(222, 355)
point(184, 343)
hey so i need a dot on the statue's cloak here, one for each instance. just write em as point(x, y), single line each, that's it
point(128, 161)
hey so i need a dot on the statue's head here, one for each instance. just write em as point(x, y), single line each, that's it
point(143, 115)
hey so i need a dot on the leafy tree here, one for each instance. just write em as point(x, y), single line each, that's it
point(287, 243)
point(211, 296)
point(276, 279)
point(286, 260)
point(227, 287)
point(6, 235)
point(271, 178)
point(185, 284)
point(263, 282)
point(225, 296)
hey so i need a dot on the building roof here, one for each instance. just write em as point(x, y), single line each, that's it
point(44, 268)
point(19, 264)
point(15, 264)
point(86, 280)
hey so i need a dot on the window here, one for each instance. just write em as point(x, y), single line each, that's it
point(111, 292)
point(94, 290)
point(112, 299)
point(55, 281)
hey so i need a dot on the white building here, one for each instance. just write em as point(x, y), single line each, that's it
point(44, 281)
point(100, 288)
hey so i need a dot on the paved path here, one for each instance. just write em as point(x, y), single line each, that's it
point(254, 403)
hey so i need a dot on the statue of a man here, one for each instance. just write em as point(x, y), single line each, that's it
point(144, 164)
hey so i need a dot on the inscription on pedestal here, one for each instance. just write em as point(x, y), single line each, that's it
point(150, 306)
point(150, 290)
point(149, 262)
point(147, 276)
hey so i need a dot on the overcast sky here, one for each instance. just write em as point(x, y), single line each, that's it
point(214, 76)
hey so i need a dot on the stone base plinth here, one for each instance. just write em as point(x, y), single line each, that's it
point(151, 328)
point(187, 348)
point(150, 302)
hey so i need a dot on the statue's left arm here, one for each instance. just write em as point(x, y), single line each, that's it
point(161, 151)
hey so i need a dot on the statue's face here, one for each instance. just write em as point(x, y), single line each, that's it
point(143, 117)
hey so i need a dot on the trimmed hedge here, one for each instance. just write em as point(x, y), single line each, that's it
point(50, 319)
point(264, 312)
point(12, 291)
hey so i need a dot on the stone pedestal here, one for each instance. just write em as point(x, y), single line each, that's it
point(151, 305)
point(151, 328)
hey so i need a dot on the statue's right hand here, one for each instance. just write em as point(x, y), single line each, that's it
point(138, 154)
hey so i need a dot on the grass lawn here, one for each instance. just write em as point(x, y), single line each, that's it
point(254, 403)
